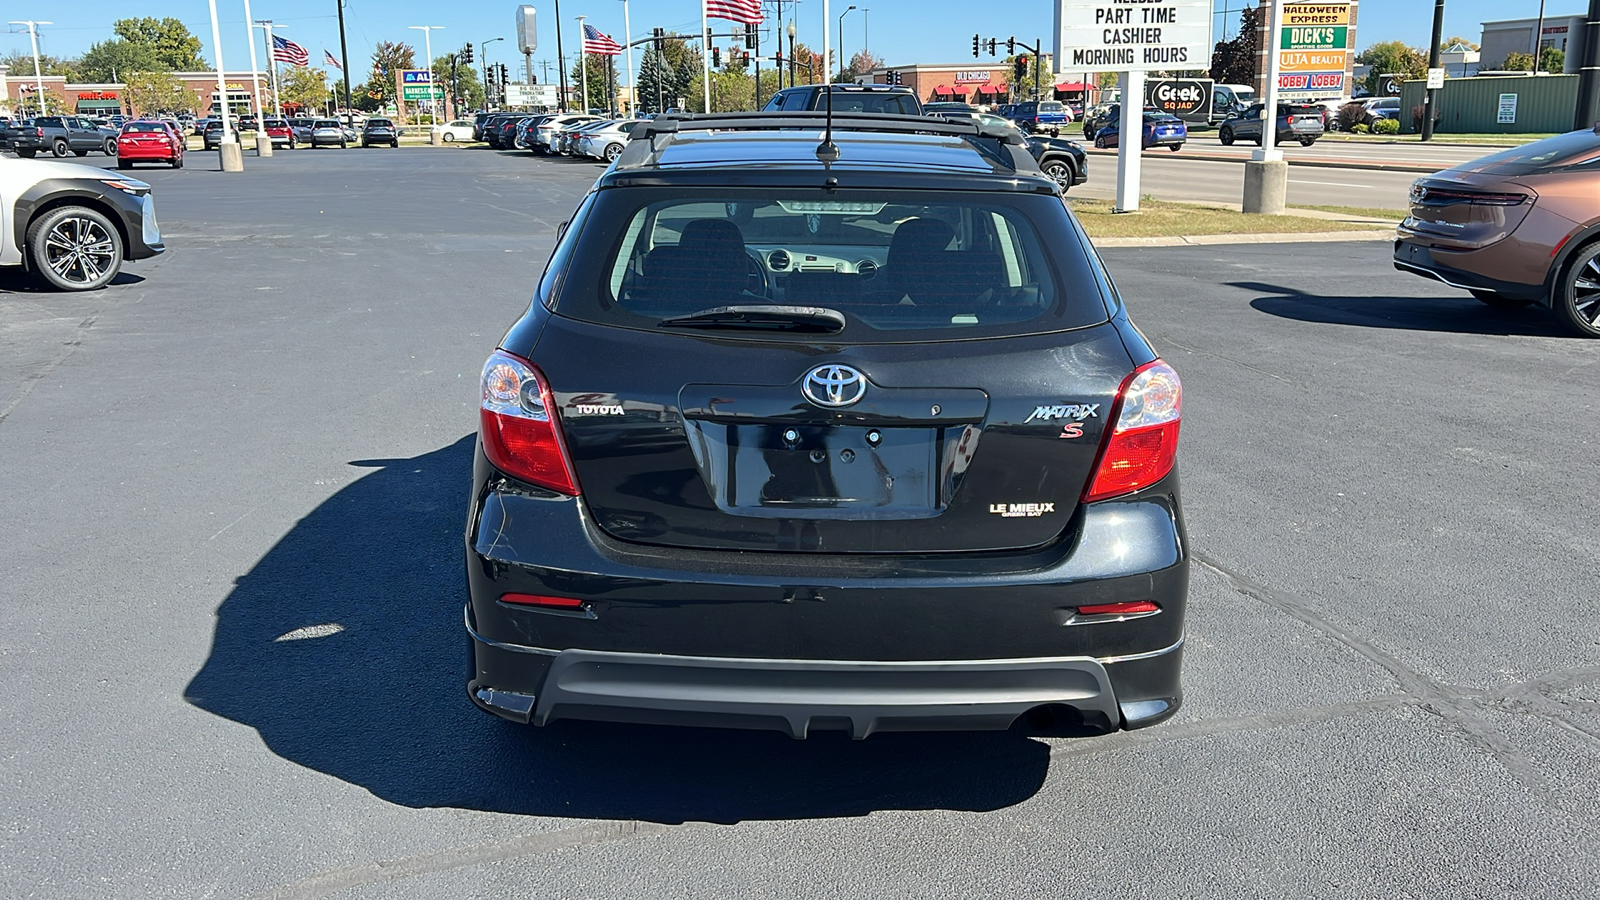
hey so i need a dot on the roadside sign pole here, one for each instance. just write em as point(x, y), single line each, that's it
point(1431, 97)
point(1589, 74)
point(1266, 173)
point(1130, 141)
point(583, 69)
point(1131, 39)
point(1269, 113)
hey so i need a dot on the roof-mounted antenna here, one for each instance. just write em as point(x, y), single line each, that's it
point(828, 151)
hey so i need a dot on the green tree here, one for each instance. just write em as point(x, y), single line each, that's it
point(657, 83)
point(307, 87)
point(860, 64)
point(1553, 60)
point(22, 66)
point(168, 39)
point(730, 92)
point(109, 61)
point(1392, 57)
point(388, 58)
point(599, 88)
point(1234, 62)
point(152, 93)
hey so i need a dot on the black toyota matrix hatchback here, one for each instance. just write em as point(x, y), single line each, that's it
point(808, 434)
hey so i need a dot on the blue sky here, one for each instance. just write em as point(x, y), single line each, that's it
point(901, 31)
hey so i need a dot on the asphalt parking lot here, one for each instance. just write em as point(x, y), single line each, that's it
point(230, 514)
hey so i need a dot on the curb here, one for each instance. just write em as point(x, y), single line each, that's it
point(1210, 240)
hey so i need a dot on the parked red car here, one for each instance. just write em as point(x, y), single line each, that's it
point(149, 140)
point(280, 132)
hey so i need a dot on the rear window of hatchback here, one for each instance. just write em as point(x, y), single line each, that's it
point(901, 265)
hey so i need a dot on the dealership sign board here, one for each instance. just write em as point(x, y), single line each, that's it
point(1313, 50)
point(1132, 35)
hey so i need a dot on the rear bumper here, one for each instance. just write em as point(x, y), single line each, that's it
point(1420, 259)
point(142, 153)
point(821, 640)
point(796, 696)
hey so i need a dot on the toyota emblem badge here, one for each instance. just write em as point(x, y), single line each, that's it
point(834, 386)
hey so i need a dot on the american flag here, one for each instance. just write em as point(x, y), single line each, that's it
point(285, 50)
point(595, 42)
point(331, 60)
point(746, 11)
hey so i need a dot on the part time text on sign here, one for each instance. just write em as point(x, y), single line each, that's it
point(1132, 35)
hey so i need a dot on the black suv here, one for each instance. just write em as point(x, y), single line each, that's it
point(847, 98)
point(850, 436)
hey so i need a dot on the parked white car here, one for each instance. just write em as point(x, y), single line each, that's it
point(607, 141)
point(72, 226)
point(459, 130)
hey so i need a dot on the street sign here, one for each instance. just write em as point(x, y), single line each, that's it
point(1435, 79)
point(414, 92)
point(1313, 50)
point(1116, 36)
point(1508, 110)
point(531, 95)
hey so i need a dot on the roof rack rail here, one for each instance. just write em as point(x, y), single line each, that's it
point(885, 123)
point(1003, 146)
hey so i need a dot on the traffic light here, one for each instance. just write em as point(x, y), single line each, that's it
point(991, 46)
point(660, 36)
point(504, 79)
point(750, 36)
point(1021, 66)
point(716, 57)
point(466, 54)
point(975, 41)
point(1011, 45)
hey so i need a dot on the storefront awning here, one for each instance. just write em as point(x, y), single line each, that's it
point(943, 89)
point(1071, 86)
point(992, 89)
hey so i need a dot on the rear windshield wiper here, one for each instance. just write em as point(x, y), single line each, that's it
point(814, 319)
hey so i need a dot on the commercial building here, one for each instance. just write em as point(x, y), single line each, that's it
point(974, 83)
point(1503, 38)
point(19, 94)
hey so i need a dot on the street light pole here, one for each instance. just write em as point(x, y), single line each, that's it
point(263, 140)
point(427, 42)
point(485, 48)
point(827, 52)
point(841, 41)
point(38, 74)
point(228, 152)
point(792, 68)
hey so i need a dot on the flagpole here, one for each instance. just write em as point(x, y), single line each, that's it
point(272, 66)
point(627, 30)
point(705, 54)
point(583, 65)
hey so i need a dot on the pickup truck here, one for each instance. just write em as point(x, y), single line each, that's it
point(1039, 116)
point(62, 135)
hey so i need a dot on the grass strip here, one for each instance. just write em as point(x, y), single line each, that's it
point(1157, 218)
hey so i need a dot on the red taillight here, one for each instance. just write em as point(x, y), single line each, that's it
point(1132, 607)
point(1291, 120)
point(520, 431)
point(542, 600)
point(1143, 444)
point(38, 132)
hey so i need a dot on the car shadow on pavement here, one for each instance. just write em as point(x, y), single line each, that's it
point(16, 281)
point(344, 648)
point(1456, 315)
